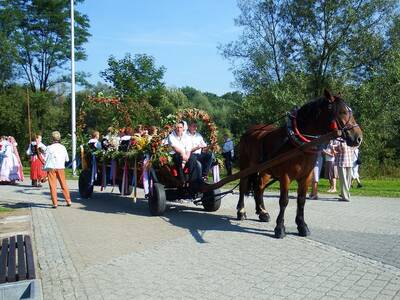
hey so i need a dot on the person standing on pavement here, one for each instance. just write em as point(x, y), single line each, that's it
point(330, 167)
point(228, 153)
point(344, 161)
point(35, 151)
point(316, 174)
point(356, 165)
point(56, 157)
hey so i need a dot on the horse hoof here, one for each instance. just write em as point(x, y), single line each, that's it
point(303, 230)
point(241, 216)
point(280, 232)
point(264, 217)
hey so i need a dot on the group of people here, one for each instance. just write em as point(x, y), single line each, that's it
point(188, 147)
point(120, 139)
point(189, 150)
point(10, 162)
point(341, 162)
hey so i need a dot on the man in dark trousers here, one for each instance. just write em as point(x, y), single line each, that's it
point(228, 153)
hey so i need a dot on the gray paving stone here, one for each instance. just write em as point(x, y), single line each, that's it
point(109, 248)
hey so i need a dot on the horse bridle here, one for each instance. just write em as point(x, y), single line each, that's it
point(336, 123)
point(299, 139)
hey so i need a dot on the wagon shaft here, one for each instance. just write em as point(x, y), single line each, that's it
point(273, 162)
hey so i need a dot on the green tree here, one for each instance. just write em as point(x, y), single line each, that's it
point(6, 61)
point(41, 37)
point(136, 78)
point(327, 41)
point(177, 98)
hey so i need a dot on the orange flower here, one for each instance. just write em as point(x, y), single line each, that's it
point(163, 160)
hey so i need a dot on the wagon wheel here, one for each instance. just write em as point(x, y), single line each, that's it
point(211, 201)
point(85, 187)
point(157, 199)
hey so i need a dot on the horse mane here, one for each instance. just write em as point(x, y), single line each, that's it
point(260, 130)
point(311, 109)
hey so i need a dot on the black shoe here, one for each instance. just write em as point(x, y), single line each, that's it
point(359, 185)
point(343, 199)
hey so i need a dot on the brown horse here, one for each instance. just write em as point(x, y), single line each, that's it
point(263, 142)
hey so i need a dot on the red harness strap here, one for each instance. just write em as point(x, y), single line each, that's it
point(333, 125)
point(297, 132)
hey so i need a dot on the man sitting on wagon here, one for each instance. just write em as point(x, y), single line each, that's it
point(199, 149)
point(182, 156)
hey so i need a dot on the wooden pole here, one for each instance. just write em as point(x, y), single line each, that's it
point(29, 116)
point(273, 162)
point(135, 182)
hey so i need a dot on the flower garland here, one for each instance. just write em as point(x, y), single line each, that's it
point(91, 101)
point(155, 145)
point(211, 133)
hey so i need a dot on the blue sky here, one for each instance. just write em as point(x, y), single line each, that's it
point(181, 35)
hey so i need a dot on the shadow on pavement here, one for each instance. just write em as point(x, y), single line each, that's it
point(186, 215)
point(192, 218)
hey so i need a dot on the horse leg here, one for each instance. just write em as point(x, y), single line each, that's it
point(280, 230)
point(262, 213)
point(241, 212)
point(301, 200)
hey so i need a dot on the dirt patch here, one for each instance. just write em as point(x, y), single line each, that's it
point(15, 212)
point(15, 221)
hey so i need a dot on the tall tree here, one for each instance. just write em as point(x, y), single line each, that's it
point(136, 78)
point(6, 61)
point(41, 37)
point(322, 39)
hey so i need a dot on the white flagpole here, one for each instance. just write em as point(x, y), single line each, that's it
point(73, 117)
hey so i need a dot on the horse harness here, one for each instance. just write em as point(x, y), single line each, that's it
point(298, 139)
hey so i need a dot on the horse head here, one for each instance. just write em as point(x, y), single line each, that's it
point(330, 113)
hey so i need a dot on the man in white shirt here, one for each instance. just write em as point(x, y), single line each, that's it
point(199, 149)
point(56, 157)
point(181, 154)
point(228, 153)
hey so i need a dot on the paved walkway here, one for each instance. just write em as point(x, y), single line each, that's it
point(111, 248)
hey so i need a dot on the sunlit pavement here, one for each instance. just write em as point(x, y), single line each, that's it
point(109, 247)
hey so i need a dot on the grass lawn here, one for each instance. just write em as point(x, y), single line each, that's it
point(68, 173)
point(386, 187)
point(4, 209)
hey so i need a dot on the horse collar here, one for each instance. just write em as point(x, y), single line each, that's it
point(294, 134)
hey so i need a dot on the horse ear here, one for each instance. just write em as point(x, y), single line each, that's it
point(328, 96)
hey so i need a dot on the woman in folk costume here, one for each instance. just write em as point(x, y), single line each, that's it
point(36, 151)
point(2, 142)
point(11, 167)
point(94, 143)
